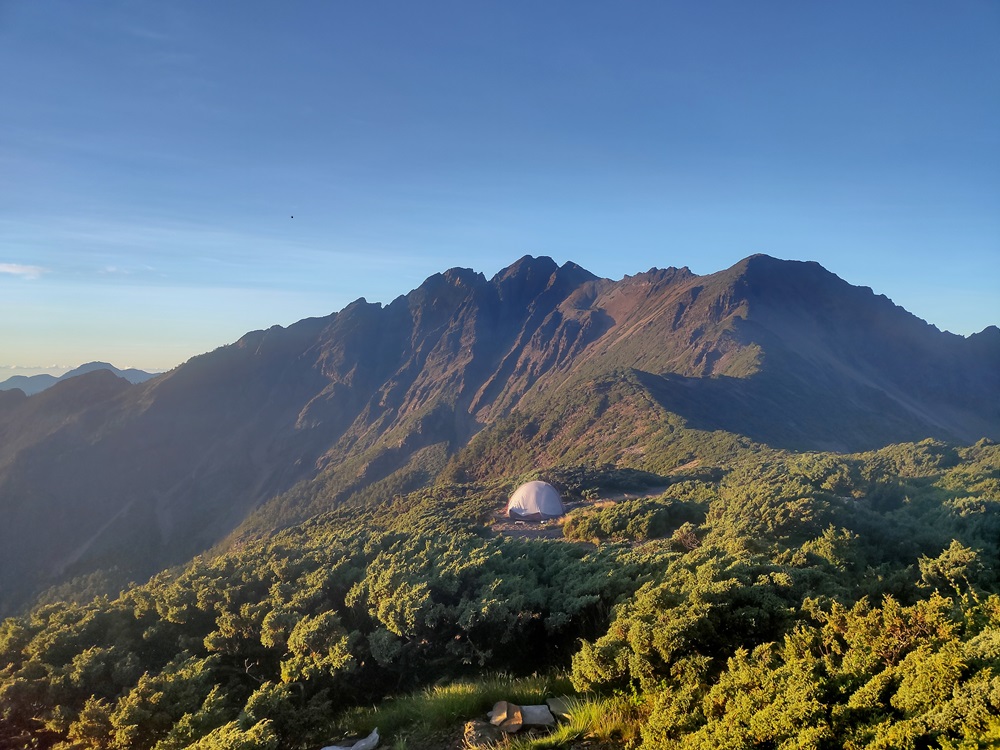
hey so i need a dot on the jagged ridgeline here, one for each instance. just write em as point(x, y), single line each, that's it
point(785, 532)
point(467, 379)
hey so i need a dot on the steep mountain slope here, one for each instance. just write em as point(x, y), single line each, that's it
point(375, 399)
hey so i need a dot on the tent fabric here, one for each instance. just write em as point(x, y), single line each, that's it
point(535, 501)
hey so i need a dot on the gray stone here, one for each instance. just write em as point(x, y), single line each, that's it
point(510, 717)
point(537, 716)
point(368, 743)
point(560, 707)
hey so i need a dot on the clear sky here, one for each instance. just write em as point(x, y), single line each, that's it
point(153, 154)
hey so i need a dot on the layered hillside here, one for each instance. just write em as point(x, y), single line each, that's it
point(97, 473)
point(32, 384)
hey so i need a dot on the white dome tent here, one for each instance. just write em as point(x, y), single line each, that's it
point(535, 501)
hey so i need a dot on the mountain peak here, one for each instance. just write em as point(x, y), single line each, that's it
point(526, 268)
point(764, 277)
point(761, 263)
point(525, 279)
point(90, 367)
point(571, 274)
point(463, 277)
point(453, 284)
point(780, 352)
point(990, 333)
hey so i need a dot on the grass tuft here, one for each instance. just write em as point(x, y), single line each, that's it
point(616, 719)
point(411, 720)
point(443, 706)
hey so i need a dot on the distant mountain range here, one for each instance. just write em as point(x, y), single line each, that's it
point(466, 378)
point(32, 384)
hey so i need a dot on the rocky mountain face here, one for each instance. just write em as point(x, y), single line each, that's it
point(97, 473)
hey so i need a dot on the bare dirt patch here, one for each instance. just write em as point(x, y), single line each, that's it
point(526, 529)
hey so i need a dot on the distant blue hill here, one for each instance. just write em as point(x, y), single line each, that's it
point(32, 384)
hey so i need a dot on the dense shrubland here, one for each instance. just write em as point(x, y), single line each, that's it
point(808, 601)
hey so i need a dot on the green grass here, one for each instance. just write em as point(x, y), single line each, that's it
point(409, 721)
point(616, 719)
point(444, 706)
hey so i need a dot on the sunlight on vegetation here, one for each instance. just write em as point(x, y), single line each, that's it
point(441, 706)
point(615, 719)
point(804, 600)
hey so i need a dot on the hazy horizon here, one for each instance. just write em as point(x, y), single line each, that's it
point(8, 370)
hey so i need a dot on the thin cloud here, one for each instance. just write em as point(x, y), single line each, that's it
point(149, 35)
point(25, 272)
point(34, 368)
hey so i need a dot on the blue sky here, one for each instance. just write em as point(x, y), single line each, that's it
point(152, 155)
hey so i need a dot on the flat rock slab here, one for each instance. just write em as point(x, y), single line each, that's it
point(537, 716)
point(510, 717)
point(560, 707)
point(368, 743)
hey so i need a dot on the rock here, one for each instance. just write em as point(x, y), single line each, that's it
point(499, 709)
point(502, 711)
point(513, 721)
point(510, 717)
point(479, 733)
point(560, 707)
point(537, 716)
point(368, 743)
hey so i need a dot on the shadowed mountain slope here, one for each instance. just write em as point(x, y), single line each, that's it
point(375, 399)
